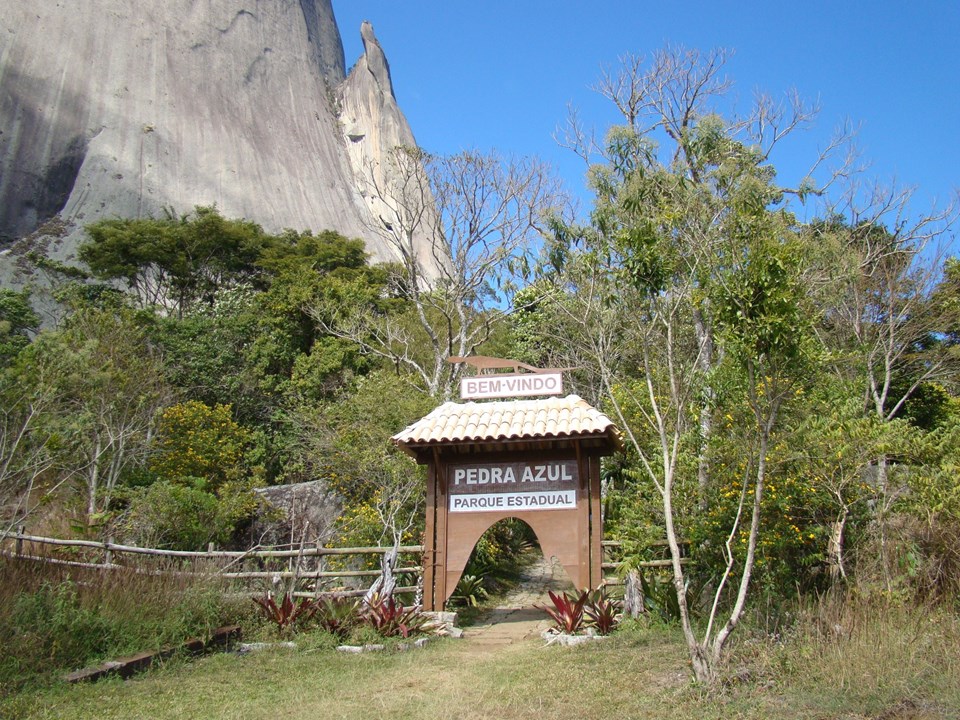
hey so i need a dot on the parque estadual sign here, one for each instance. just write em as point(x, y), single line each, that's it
point(537, 460)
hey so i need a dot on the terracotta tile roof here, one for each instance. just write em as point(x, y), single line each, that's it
point(540, 419)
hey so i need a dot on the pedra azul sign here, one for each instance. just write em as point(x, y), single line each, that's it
point(511, 487)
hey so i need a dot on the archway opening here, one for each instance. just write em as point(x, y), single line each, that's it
point(508, 554)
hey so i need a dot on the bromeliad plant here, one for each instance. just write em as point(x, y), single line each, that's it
point(391, 619)
point(337, 615)
point(288, 612)
point(571, 612)
point(567, 610)
point(603, 612)
point(470, 591)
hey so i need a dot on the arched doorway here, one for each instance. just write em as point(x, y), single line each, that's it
point(507, 553)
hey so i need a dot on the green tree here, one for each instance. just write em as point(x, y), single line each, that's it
point(347, 443)
point(109, 384)
point(173, 263)
point(259, 350)
point(946, 306)
point(876, 271)
point(17, 322)
point(688, 297)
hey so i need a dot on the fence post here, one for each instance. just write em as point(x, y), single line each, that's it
point(108, 554)
point(633, 600)
point(20, 533)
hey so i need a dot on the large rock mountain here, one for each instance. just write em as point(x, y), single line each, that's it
point(117, 108)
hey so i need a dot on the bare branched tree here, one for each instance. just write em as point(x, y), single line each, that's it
point(25, 449)
point(462, 226)
point(877, 274)
point(399, 505)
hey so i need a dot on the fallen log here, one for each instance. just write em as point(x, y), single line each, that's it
point(132, 664)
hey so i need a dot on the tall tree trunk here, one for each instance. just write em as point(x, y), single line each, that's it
point(93, 481)
point(835, 546)
point(883, 485)
point(705, 363)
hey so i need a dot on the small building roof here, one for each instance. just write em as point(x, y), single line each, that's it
point(569, 417)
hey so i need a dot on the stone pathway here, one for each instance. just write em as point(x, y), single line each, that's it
point(516, 618)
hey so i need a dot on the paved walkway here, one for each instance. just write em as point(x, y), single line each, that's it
point(516, 618)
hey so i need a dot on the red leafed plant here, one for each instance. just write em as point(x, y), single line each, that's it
point(391, 619)
point(567, 610)
point(288, 612)
point(602, 611)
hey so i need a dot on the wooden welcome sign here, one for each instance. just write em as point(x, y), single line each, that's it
point(537, 460)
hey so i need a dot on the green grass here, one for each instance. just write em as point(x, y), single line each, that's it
point(446, 679)
point(841, 657)
point(638, 674)
point(52, 621)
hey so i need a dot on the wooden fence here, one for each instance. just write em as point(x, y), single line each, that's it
point(611, 551)
point(288, 563)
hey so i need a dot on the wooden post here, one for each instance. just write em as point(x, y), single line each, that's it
point(440, 578)
point(430, 538)
point(20, 532)
point(108, 555)
point(583, 518)
point(634, 603)
point(596, 524)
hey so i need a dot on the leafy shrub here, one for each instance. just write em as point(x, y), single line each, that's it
point(567, 610)
point(179, 517)
point(199, 441)
point(391, 619)
point(288, 613)
point(602, 611)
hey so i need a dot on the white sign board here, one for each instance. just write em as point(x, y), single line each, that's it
point(513, 486)
point(516, 501)
point(482, 387)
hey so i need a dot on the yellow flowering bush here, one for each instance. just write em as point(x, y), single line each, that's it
point(199, 441)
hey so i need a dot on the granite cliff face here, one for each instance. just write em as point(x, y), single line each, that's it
point(119, 108)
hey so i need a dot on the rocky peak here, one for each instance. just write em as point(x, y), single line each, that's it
point(116, 108)
point(373, 127)
point(374, 60)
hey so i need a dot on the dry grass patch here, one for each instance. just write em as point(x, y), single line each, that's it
point(884, 666)
point(446, 679)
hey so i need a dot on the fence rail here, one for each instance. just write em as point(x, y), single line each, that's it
point(110, 549)
point(20, 545)
point(306, 551)
point(621, 578)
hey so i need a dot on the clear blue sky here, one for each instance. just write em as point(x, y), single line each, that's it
point(496, 74)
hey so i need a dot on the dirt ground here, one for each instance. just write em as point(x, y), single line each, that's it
point(516, 618)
